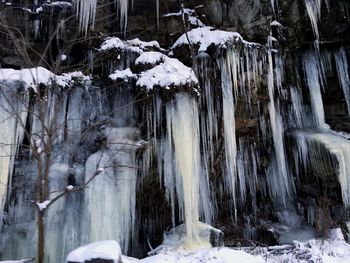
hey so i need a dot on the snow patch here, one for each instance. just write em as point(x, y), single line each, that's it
point(69, 187)
point(108, 249)
point(206, 36)
point(34, 76)
point(150, 58)
point(191, 17)
point(122, 74)
point(134, 45)
point(208, 255)
point(275, 23)
point(42, 206)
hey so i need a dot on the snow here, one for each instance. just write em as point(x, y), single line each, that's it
point(275, 23)
point(111, 43)
point(191, 17)
point(208, 255)
point(63, 57)
point(177, 238)
point(332, 250)
point(33, 76)
point(67, 79)
point(30, 77)
point(122, 74)
point(108, 249)
point(170, 73)
point(206, 36)
point(143, 44)
point(135, 45)
point(42, 206)
point(150, 58)
point(69, 187)
point(17, 261)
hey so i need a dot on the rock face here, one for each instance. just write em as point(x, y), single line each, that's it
point(256, 114)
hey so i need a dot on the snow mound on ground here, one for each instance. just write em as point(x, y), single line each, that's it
point(18, 261)
point(208, 255)
point(170, 73)
point(108, 249)
point(206, 36)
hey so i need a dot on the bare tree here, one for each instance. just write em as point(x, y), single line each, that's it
point(41, 142)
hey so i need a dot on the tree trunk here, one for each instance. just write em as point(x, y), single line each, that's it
point(41, 238)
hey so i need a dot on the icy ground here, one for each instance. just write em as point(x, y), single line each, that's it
point(332, 250)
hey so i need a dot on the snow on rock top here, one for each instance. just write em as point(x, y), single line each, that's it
point(150, 58)
point(34, 76)
point(30, 77)
point(143, 44)
point(192, 19)
point(136, 45)
point(108, 249)
point(111, 43)
point(170, 73)
point(122, 74)
point(206, 36)
point(67, 79)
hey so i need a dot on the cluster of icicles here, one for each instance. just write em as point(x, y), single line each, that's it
point(86, 11)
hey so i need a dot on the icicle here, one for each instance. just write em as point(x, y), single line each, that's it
point(123, 12)
point(297, 108)
point(281, 185)
point(229, 79)
point(247, 171)
point(273, 6)
point(13, 115)
point(343, 74)
point(157, 7)
point(313, 8)
point(86, 11)
point(36, 28)
point(91, 60)
point(183, 116)
point(115, 188)
point(209, 132)
point(314, 77)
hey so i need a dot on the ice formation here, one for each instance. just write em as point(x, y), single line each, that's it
point(86, 11)
point(281, 185)
point(315, 78)
point(117, 182)
point(343, 74)
point(190, 117)
point(313, 8)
